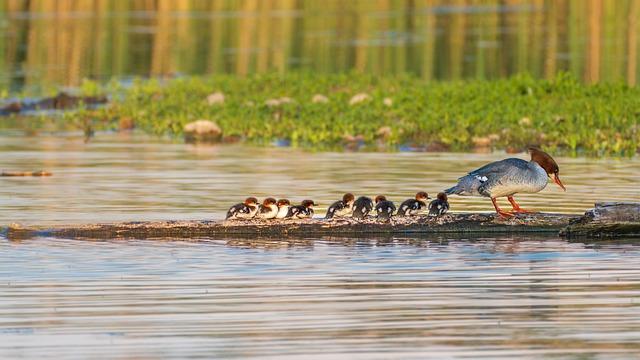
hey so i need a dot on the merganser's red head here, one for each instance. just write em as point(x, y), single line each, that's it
point(442, 196)
point(308, 203)
point(269, 202)
point(251, 201)
point(548, 164)
point(380, 198)
point(283, 202)
point(422, 196)
point(348, 198)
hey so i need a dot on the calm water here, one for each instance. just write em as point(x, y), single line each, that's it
point(374, 298)
point(50, 42)
point(387, 297)
point(129, 177)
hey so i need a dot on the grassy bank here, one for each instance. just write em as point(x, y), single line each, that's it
point(394, 112)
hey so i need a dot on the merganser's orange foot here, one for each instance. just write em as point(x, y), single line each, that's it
point(522, 211)
point(505, 214)
point(515, 208)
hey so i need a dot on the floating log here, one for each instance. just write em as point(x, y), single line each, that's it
point(461, 223)
point(606, 220)
point(26, 173)
point(62, 101)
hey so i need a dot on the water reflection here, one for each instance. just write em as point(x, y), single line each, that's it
point(509, 297)
point(51, 42)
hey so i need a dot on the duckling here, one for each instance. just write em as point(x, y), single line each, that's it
point(342, 207)
point(268, 209)
point(439, 206)
point(283, 208)
point(384, 207)
point(414, 206)
point(362, 207)
point(244, 210)
point(302, 211)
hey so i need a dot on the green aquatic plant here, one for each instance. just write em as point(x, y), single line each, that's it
point(395, 112)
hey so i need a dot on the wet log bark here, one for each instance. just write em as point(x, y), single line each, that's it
point(460, 223)
point(26, 173)
point(62, 101)
point(606, 220)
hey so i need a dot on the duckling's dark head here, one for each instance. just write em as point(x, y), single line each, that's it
point(251, 201)
point(308, 203)
point(422, 196)
point(348, 198)
point(269, 202)
point(380, 198)
point(442, 196)
point(283, 202)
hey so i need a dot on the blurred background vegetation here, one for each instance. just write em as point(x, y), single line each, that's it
point(432, 75)
point(61, 42)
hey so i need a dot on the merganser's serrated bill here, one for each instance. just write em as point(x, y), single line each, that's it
point(362, 207)
point(508, 177)
point(439, 206)
point(342, 207)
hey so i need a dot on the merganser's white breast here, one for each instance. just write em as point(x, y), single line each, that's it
point(517, 180)
point(502, 178)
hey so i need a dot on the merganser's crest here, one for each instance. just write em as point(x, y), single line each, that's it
point(548, 164)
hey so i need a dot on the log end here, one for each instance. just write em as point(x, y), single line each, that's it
point(606, 220)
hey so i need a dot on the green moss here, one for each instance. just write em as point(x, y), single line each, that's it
point(561, 114)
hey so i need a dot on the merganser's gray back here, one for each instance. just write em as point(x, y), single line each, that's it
point(502, 178)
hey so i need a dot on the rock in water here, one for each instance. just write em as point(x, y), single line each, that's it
point(217, 98)
point(319, 99)
point(359, 98)
point(202, 131)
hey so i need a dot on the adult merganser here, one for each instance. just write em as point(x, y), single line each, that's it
point(268, 209)
point(302, 211)
point(413, 206)
point(508, 177)
point(245, 210)
point(283, 208)
point(439, 206)
point(342, 207)
point(362, 207)
point(384, 208)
